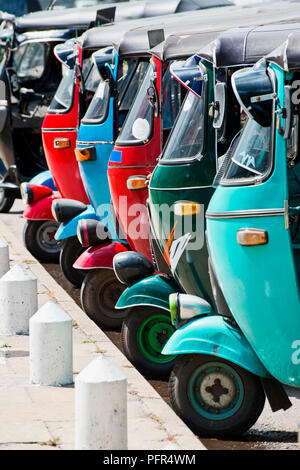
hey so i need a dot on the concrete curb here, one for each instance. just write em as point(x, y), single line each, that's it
point(152, 424)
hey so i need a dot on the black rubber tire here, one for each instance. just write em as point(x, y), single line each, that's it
point(100, 292)
point(33, 241)
point(130, 343)
point(243, 419)
point(70, 252)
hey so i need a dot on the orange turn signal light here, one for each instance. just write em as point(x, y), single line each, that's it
point(187, 208)
point(137, 182)
point(85, 154)
point(252, 237)
point(62, 143)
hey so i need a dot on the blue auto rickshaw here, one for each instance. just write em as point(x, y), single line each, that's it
point(228, 363)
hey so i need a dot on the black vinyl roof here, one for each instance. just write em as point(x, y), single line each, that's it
point(197, 29)
point(287, 55)
point(83, 18)
point(131, 37)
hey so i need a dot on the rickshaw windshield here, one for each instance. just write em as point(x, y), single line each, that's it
point(186, 139)
point(138, 125)
point(63, 98)
point(251, 160)
point(133, 74)
point(171, 99)
point(98, 107)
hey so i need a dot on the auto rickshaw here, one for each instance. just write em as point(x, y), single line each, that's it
point(186, 168)
point(229, 362)
point(103, 134)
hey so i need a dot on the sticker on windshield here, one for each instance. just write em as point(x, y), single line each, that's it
point(248, 162)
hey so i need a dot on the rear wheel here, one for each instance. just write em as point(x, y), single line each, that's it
point(71, 250)
point(144, 334)
point(39, 239)
point(100, 292)
point(215, 397)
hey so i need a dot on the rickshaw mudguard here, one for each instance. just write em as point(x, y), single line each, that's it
point(152, 291)
point(69, 229)
point(41, 209)
point(45, 179)
point(215, 336)
point(101, 256)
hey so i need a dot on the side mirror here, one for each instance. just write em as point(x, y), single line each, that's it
point(253, 89)
point(66, 53)
point(189, 74)
point(220, 105)
point(103, 60)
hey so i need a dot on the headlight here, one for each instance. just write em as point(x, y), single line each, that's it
point(31, 193)
point(184, 307)
point(64, 210)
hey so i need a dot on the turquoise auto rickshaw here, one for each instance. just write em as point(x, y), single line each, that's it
point(182, 184)
point(228, 363)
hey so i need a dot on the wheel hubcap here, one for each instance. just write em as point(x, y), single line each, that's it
point(215, 391)
point(108, 296)
point(46, 237)
point(153, 334)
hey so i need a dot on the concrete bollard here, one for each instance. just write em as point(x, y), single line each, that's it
point(18, 300)
point(4, 257)
point(101, 407)
point(51, 346)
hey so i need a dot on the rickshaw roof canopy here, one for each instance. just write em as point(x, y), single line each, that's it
point(246, 45)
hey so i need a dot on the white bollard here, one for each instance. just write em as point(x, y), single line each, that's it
point(51, 346)
point(4, 257)
point(18, 300)
point(101, 407)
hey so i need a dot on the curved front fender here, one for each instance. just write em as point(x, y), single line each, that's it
point(69, 229)
point(153, 291)
point(100, 256)
point(217, 337)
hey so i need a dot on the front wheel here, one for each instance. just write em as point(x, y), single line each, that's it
point(215, 397)
point(144, 334)
point(100, 292)
point(39, 239)
point(70, 252)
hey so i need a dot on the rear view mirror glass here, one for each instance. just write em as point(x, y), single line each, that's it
point(254, 91)
point(189, 74)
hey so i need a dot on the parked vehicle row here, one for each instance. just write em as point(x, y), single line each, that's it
point(171, 190)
